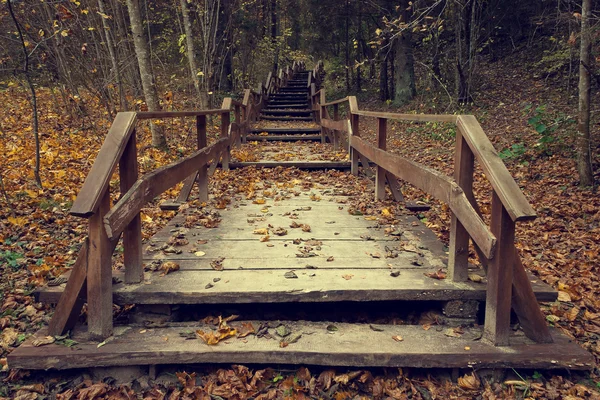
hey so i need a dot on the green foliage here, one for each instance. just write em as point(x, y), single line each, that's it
point(11, 258)
point(550, 126)
point(555, 61)
point(515, 151)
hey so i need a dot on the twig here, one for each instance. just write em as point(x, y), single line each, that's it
point(439, 81)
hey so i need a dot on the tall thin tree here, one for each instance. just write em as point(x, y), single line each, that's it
point(143, 57)
point(584, 153)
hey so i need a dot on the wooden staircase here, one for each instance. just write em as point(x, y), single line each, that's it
point(312, 279)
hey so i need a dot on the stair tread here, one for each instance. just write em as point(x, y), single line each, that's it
point(326, 343)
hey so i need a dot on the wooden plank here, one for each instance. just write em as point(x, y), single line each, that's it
point(354, 132)
point(525, 304)
point(458, 260)
point(293, 164)
point(437, 185)
point(98, 179)
point(99, 275)
point(178, 114)
point(351, 345)
point(500, 276)
point(153, 184)
point(331, 103)
point(132, 235)
point(202, 175)
point(188, 185)
point(503, 183)
point(341, 125)
point(408, 117)
point(271, 286)
point(72, 299)
point(379, 171)
point(395, 186)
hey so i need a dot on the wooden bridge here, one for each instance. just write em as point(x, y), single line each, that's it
point(313, 280)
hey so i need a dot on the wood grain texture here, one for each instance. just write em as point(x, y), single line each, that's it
point(96, 183)
point(503, 183)
point(437, 185)
point(379, 171)
point(337, 125)
point(99, 275)
point(352, 345)
point(500, 276)
point(178, 114)
point(408, 117)
point(132, 235)
point(154, 183)
point(458, 260)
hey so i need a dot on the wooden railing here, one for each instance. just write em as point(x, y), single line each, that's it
point(508, 284)
point(91, 276)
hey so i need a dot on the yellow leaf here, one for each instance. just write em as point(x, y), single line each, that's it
point(259, 201)
point(146, 218)
point(386, 212)
point(18, 221)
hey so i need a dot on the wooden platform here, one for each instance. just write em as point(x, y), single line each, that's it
point(318, 343)
point(343, 257)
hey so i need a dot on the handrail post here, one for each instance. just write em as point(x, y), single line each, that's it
point(202, 178)
point(238, 121)
point(380, 173)
point(498, 298)
point(322, 116)
point(458, 258)
point(225, 120)
point(132, 235)
point(99, 274)
point(336, 133)
point(354, 123)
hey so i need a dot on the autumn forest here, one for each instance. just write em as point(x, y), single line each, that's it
point(389, 109)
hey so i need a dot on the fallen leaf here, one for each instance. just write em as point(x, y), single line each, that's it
point(43, 341)
point(283, 330)
point(330, 259)
point(199, 254)
point(439, 274)
point(261, 231)
point(475, 278)
point(246, 329)
point(168, 267)
point(564, 296)
point(469, 382)
point(347, 276)
point(332, 328)
point(290, 275)
point(376, 328)
point(265, 238)
point(398, 338)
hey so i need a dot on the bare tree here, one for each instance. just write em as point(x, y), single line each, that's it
point(189, 40)
point(143, 57)
point(584, 153)
point(25, 72)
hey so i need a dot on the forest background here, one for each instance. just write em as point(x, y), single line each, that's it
point(526, 69)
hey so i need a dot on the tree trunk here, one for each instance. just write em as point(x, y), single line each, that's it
point(383, 71)
point(347, 35)
point(274, 35)
point(584, 154)
point(404, 78)
point(189, 42)
point(113, 57)
point(143, 57)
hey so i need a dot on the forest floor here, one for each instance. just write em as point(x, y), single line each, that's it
point(40, 239)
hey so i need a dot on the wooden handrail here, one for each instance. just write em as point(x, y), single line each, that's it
point(176, 114)
point(503, 183)
point(98, 179)
point(331, 103)
point(407, 117)
point(155, 183)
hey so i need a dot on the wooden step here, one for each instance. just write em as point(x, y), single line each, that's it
point(281, 118)
point(291, 112)
point(323, 343)
point(284, 131)
point(293, 90)
point(273, 104)
point(283, 138)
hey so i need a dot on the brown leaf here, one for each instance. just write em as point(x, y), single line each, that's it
point(347, 276)
point(246, 329)
point(469, 382)
point(168, 267)
point(398, 338)
point(439, 274)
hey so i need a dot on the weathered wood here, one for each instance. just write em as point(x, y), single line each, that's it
point(178, 114)
point(395, 187)
point(503, 183)
point(407, 117)
point(351, 345)
point(72, 299)
point(202, 177)
point(354, 124)
point(132, 235)
point(337, 125)
point(99, 274)
point(458, 259)
point(98, 179)
point(340, 101)
point(525, 304)
point(292, 164)
point(380, 172)
point(437, 185)
point(500, 276)
point(154, 183)
point(186, 190)
point(226, 155)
